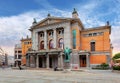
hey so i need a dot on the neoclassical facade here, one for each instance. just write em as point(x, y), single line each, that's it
point(50, 36)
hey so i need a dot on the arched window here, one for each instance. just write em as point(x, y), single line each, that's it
point(42, 45)
point(61, 43)
point(51, 44)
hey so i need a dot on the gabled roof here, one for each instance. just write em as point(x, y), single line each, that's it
point(61, 19)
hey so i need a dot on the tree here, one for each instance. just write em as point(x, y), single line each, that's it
point(116, 56)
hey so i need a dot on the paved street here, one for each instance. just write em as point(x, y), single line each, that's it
point(49, 76)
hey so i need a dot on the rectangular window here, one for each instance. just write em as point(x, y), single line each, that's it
point(19, 56)
point(90, 34)
point(94, 34)
point(92, 46)
point(19, 51)
point(15, 56)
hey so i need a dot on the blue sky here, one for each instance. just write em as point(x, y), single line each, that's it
point(16, 17)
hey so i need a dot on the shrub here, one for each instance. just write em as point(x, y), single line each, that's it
point(103, 66)
point(116, 68)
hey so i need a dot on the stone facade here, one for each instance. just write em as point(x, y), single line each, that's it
point(51, 35)
point(17, 55)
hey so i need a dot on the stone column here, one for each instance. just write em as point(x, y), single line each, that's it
point(36, 41)
point(67, 36)
point(43, 62)
point(47, 61)
point(61, 60)
point(45, 39)
point(27, 61)
point(37, 61)
point(54, 38)
point(32, 61)
point(88, 60)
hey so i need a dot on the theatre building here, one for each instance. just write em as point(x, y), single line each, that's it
point(50, 36)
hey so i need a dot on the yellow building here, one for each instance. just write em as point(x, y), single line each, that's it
point(26, 44)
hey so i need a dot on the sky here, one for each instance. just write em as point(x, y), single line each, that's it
point(16, 17)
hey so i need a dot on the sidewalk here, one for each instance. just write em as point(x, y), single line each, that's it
point(50, 76)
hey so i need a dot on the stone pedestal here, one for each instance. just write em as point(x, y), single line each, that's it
point(67, 65)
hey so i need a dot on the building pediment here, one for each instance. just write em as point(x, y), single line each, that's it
point(50, 20)
point(54, 20)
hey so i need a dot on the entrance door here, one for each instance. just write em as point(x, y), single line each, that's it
point(40, 62)
point(50, 62)
point(82, 60)
point(53, 61)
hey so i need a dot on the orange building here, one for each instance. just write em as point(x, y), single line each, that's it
point(26, 44)
point(50, 36)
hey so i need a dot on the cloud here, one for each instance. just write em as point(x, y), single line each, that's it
point(13, 28)
point(44, 3)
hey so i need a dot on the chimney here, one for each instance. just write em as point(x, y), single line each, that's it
point(74, 14)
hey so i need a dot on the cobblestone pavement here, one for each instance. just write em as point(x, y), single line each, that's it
point(49, 76)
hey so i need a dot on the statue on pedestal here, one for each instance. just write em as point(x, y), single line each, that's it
point(67, 52)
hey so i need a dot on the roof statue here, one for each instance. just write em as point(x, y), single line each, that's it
point(34, 21)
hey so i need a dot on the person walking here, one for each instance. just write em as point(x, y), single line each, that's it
point(19, 67)
point(3, 65)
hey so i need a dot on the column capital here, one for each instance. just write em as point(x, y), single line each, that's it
point(54, 28)
point(45, 30)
